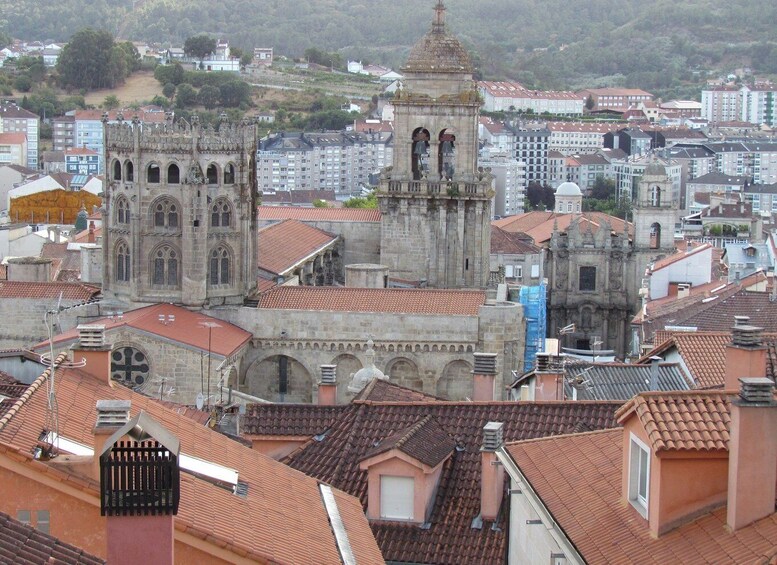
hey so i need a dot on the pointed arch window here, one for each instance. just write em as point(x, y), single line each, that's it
point(220, 214)
point(220, 266)
point(164, 267)
point(229, 174)
point(212, 174)
point(165, 214)
point(123, 270)
point(122, 211)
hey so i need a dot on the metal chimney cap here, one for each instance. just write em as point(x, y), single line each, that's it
point(756, 390)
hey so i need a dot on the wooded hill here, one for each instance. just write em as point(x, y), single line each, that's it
point(543, 43)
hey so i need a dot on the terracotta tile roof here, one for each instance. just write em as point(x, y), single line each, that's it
point(424, 441)
point(10, 391)
point(578, 478)
point(20, 543)
point(539, 225)
point(280, 520)
point(80, 151)
point(704, 354)
point(12, 138)
point(511, 242)
point(379, 390)
point(284, 245)
point(389, 300)
point(319, 214)
point(682, 421)
point(289, 419)
point(186, 329)
point(48, 290)
point(263, 285)
point(334, 457)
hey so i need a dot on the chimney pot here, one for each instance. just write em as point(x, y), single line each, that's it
point(327, 386)
point(492, 436)
point(112, 413)
point(91, 336)
point(328, 374)
point(756, 390)
point(485, 363)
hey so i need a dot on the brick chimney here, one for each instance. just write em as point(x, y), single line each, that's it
point(745, 355)
point(92, 349)
point(548, 378)
point(492, 474)
point(484, 377)
point(90, 233)
point(327, 386)
point(752, 459)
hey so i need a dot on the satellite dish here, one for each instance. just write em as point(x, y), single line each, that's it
point(200, 401)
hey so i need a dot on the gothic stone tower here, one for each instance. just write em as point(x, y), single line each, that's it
point(180, 213)
point(436, 206)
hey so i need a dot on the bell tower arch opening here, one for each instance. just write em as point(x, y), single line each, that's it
point(420, 153)
point(446, 154)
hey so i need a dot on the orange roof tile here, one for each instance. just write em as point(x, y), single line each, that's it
point(540, 225)
point(688, 420)
point(284, 245)
point(186, 328)
point(13, 138)
point(704, 355)
point(675, 257)
point(578, 479)
point(280, 520)
point(394, 300)
point(319, 214)
point(48, 290)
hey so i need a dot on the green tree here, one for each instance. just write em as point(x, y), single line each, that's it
point(169, 90)
point(540, 196)
point(370, 201)
point(209, 96)
point(186, 96)
point(318, 203)
point(603, 188)
point(234, 93)
point(88, 61)
point(160, 101)
point(131, 55)
point(199, 46)
point(111, 102)
point(32, 67)
point(589, 103)
point(172, 74)
point(23, 83)
point(246, 59)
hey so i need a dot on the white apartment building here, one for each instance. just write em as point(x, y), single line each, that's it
point(628, 172)
point(721, 103)
point(509, 182)
point(316, 161)
point(758, 104)
point(18, 120)
point(511, 96)
point(570, 138)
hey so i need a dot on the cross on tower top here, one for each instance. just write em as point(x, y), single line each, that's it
point(438, 25)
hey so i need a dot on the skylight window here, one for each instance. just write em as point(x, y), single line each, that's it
point(219, 475)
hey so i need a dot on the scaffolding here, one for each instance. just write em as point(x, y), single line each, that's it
point(532, 298)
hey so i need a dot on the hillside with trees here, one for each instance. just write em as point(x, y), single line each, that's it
point(662, 45)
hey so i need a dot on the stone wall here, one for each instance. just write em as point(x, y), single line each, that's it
point(27, 326)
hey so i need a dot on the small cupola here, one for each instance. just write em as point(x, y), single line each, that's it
point(403, 471)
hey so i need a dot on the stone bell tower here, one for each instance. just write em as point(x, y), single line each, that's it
point(435, 204)
point(180, 213)
point(655, 212)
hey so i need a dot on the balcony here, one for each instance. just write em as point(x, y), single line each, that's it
point(438, 188)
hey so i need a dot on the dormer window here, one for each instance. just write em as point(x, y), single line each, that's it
point(639, 475)
point(396, 497)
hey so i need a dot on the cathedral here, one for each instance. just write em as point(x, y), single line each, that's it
point(180, 227)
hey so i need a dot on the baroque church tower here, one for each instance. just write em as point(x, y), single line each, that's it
point(655, 212)
point(180, 213)
point(435, 204)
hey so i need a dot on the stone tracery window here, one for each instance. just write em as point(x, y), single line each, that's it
point(220, 266)
point(122, 211)
point(165, 213)
point(164, 267)
point(221, 214)
point(129, 366)
point(123, 263)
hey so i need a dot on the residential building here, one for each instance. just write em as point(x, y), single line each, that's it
point(762, 197)
point(627, 173)
point(263, 56)
point(574, 138)
point(759, 104)
point(82, 161)
point(632, 140)
point(532, 142)
point(495, 135)
point(511, 96)
point(721, 103)
point(13, 149)
point(585, 169)
point(63, 132)
point(676, 274)
point(509, 182)
point(683, 108)
point(339, 161)
point(618, 99)
point(744, 259)
point(521, 258)
point(18, 120)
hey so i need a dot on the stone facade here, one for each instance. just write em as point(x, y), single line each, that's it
point(428, 353)
point(436, 206)
point(180, 213)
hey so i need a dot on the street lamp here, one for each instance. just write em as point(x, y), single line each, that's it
point(210, 325)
